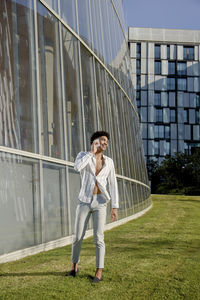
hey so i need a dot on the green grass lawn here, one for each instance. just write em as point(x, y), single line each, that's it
point(154, 257)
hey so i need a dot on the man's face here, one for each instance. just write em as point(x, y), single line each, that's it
point(103, 140)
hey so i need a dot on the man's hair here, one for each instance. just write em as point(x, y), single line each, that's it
point(98, 134)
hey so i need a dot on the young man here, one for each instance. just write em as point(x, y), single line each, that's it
point(96, 171)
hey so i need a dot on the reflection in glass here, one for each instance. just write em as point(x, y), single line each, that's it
point(97, 29)
point(181, 68)
point(54, 179)
point(84, 21)
point(50, 84)
point(18, 117)
point(122, 132)
point(19, 203)
point(88, 94)
point(114, 123)
point(188, 52)
point(53, 4)
point(181, 84)
point(72, 94)
point(75, 185)
point(68, 13)
point(171, 67)
point(102, 109)
point(157, 67)
point(170, 83)
point(157, 51)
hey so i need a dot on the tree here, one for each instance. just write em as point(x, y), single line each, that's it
point(177, 174)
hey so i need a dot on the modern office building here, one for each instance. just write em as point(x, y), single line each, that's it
point(166, 73)
point(64, 73)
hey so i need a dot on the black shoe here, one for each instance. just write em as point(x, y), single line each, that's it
point(96, 280)
point(72, 273)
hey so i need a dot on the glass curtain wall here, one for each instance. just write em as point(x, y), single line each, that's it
point(18, 113)
point(64, 73)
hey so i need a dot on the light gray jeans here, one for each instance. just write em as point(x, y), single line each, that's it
point(97, 208)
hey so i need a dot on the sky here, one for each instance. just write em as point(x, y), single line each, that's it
point(175, 14)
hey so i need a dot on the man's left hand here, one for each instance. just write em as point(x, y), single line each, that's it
point(114, 214)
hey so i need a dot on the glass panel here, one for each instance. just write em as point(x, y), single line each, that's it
point(182, 84)
point(122, 133)
point(84, 21)
point(128, 197)
point(159, 115)
point(157, 67)
point(101, 98)
point(106, 31)
point(97, 28)
point(75, 185)
point(138, 82)
point(19, 203)
point(50, 84)
point(161, 132)
point(138, 50)
point(157, 51)
point(90, 117)
point(181, 68)
point(188, 52)
point(156, 133)
point(171, 83)
point(122, 203)
point(129, 131)
point(114, 126)
point(72, 94)
point(54, 177)
point(68, 13)
point(167, 132)
point(138, 66)
point(157, 99)
point(172, 115)
point(18, 113)
point(168, 51)
point(171, 68)
point(53, 4)
point(156, 148)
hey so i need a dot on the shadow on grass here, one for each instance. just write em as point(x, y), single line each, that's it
point(61, 274)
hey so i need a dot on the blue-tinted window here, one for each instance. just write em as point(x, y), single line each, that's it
point(157, 51)
point(186, 115)
point(171, 68)
point(157, 99)
point(159, 115)
point(181, 68)
point(138, 50)
point(167, 132)
point(172, 115)
point(157, 67)
point(188, 52)
point(182, 84)
point(138, 66)
point(171, 83)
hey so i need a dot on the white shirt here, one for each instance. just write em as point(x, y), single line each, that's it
point(85, 163)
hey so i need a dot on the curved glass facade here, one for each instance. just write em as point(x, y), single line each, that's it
point(64, 73)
